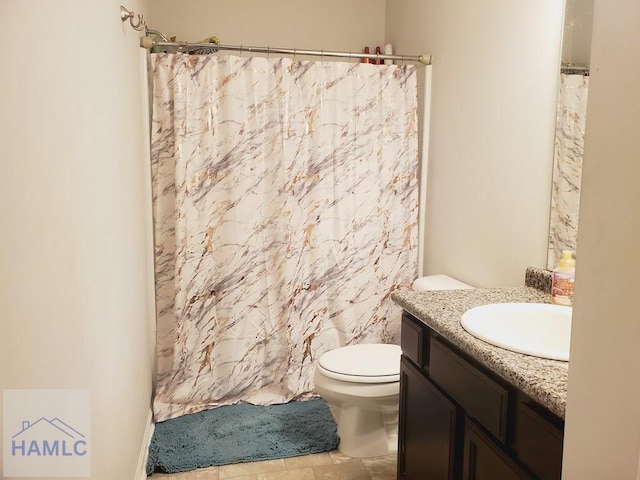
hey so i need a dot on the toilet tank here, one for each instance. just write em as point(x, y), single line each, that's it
point(439, 282)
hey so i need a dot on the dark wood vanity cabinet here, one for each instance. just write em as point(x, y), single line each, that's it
point(459, 420)
point(432, 451)
point(484, 459)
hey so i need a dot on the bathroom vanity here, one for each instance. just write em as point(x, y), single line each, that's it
point(468, 409)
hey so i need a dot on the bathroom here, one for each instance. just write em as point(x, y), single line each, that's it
point(77, 268)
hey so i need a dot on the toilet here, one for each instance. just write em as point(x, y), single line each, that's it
point(361, 385)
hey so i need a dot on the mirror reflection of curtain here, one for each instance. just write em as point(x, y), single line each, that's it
point(285, 210)
point(567, 165)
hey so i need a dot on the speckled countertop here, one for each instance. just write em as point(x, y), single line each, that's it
point(545, 381)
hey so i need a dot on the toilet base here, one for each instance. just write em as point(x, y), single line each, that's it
point(367, 433)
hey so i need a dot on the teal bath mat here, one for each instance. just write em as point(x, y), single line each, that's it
point(241, 433)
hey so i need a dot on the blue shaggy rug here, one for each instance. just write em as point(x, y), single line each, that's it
point(241, 433)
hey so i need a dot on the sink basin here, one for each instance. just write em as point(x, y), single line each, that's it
point(538, 329)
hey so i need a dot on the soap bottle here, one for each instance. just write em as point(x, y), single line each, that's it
point(563, 278)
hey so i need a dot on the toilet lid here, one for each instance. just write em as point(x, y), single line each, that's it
point(379, 361)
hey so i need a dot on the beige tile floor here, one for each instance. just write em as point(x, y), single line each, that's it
point(321, 466)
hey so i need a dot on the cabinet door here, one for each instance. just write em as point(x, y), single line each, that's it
point(538, 440)
point(427, 429)
point(484, 460)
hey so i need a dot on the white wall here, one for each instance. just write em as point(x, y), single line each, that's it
point(495, 73)
point(308, 24)
point(75, 248)
point(602, 435)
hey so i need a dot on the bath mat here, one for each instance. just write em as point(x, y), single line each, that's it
point(242, 433)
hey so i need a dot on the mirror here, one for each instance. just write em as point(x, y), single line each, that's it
point(570, 126)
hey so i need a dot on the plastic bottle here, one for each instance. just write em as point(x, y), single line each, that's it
point(388, 50)
point(563, 278)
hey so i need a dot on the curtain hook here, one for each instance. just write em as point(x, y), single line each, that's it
point(295, 52)
point(322, 55)
point(241, 50)
point(268, 52)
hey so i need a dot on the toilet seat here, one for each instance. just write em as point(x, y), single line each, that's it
point(365, 363)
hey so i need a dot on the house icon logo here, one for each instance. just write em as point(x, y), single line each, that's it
point(46, 437)
point(46, 433)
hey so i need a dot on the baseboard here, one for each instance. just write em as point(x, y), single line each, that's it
point(141, 469)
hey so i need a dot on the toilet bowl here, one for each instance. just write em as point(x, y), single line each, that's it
point(361, 385)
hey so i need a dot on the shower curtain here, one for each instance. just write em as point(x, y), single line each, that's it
point(567, 165)
point(285, 211)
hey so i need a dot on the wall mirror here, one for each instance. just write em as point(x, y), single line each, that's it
point(570, 126)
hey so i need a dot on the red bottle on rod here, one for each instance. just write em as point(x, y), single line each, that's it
point(366, 60)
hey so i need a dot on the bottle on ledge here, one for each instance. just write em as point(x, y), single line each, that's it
point(562, 280)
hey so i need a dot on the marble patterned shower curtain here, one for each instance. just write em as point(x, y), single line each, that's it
point(567, 165)
point(285, 210)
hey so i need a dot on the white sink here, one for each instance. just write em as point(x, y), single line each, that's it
point(538, 329)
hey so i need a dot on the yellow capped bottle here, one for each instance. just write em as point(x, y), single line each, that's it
point(563, 277)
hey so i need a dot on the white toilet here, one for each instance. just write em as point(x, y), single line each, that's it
point(361, 385)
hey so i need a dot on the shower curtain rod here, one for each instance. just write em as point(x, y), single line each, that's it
point(148, 43)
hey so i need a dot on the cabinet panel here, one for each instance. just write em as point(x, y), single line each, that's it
point(427, 435)
point(538, 442)
point(412, 340)
point(484, 460)
point(480, 396)
point(460, 420)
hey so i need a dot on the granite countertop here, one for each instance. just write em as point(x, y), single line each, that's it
point(545, 381)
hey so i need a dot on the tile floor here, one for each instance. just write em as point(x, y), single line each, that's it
point(321, 466)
